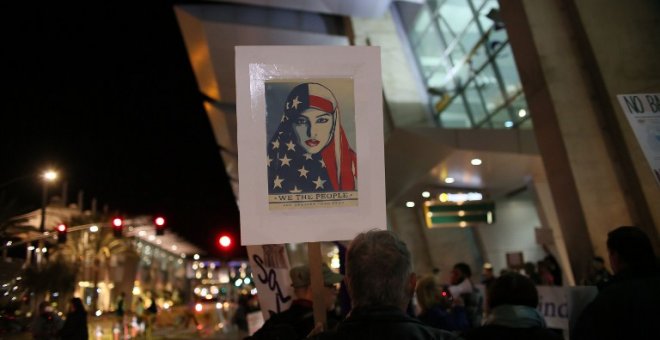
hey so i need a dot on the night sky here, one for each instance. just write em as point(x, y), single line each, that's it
point(107, 96)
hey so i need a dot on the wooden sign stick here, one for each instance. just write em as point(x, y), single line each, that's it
point(318, 287)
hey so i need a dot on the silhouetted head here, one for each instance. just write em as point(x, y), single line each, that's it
point(77, 305)
point(460, 272)
point(630, 248)
point(513, 289)
point(430, 293)
point(379, 270)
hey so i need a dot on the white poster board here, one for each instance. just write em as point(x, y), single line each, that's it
point(270, 272)
point(643, 113)
point(310, 143)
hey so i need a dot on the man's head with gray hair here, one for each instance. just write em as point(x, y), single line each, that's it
point(379, 270)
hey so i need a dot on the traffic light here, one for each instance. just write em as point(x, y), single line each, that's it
point(117, 226)
point(61, 232)
point(225, 242)
point(160, 225)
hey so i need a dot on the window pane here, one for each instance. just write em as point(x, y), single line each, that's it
point(454, 116)
point(429, 52)
point(420, 25)
point(509, 71)
point(501, 120)
point(457, 13)
point(470, 37)
point(490, 88)
point(475, 103)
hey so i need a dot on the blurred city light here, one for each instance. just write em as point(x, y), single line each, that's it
point(50, 175)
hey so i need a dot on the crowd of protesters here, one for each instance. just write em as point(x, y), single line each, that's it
point(382, 286)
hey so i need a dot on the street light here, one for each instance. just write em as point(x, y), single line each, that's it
point(48, 176)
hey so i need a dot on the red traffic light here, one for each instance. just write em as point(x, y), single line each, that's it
point(117, 222)
point(225, 241)
point(61, 232)
point(160, 225)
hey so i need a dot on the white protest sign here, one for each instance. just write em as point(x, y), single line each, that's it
point(270, 272)
point(310, 143)
point(643, 113)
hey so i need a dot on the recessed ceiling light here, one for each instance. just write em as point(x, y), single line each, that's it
point(508, 124)
point(426, 194)
point(476, 161)
point(449, 180)
point(522, 113)
point(410, 204)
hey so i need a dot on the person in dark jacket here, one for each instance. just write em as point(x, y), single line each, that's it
point(380, 283)
point(298, 321)
point(75, 325)
point(512, 302)
point(628, 307)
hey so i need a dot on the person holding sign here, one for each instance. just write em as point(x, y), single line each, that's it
point(309, 151)
point(381, 284)
point(298, 321)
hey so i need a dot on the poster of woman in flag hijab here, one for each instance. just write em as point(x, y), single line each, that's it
point(311, 154)
point(310, 143)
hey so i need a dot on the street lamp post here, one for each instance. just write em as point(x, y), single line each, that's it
point(48, 176)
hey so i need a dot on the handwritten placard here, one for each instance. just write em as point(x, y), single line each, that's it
point(270, 272)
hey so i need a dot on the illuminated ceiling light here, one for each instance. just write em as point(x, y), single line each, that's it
point(142, 233)
point(9, 243)
point(196, 256)
point(522, 113)
point(93, 228)
point(410, 204)
point(174, 247)
point(489, 217)
point(475, 161)
point(426, 194)
point(461, 213)
point(463, 224)
point(159, 241)
point(449, 180)
point(152, 237)
point(508, 124)
point(444, 197)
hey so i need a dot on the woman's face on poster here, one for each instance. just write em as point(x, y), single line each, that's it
point(313, 129)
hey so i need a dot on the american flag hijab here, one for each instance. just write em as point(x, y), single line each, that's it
point(309, 151)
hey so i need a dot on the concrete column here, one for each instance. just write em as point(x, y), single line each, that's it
point(596, 185)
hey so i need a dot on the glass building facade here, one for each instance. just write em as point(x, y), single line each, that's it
point(466, 64)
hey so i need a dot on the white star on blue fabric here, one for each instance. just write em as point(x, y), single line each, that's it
point(303, 172)
point(277, 183)
point(319, 183)
point(296, 102)
point(285, 161)
point(290, 146)
point(276, 144)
